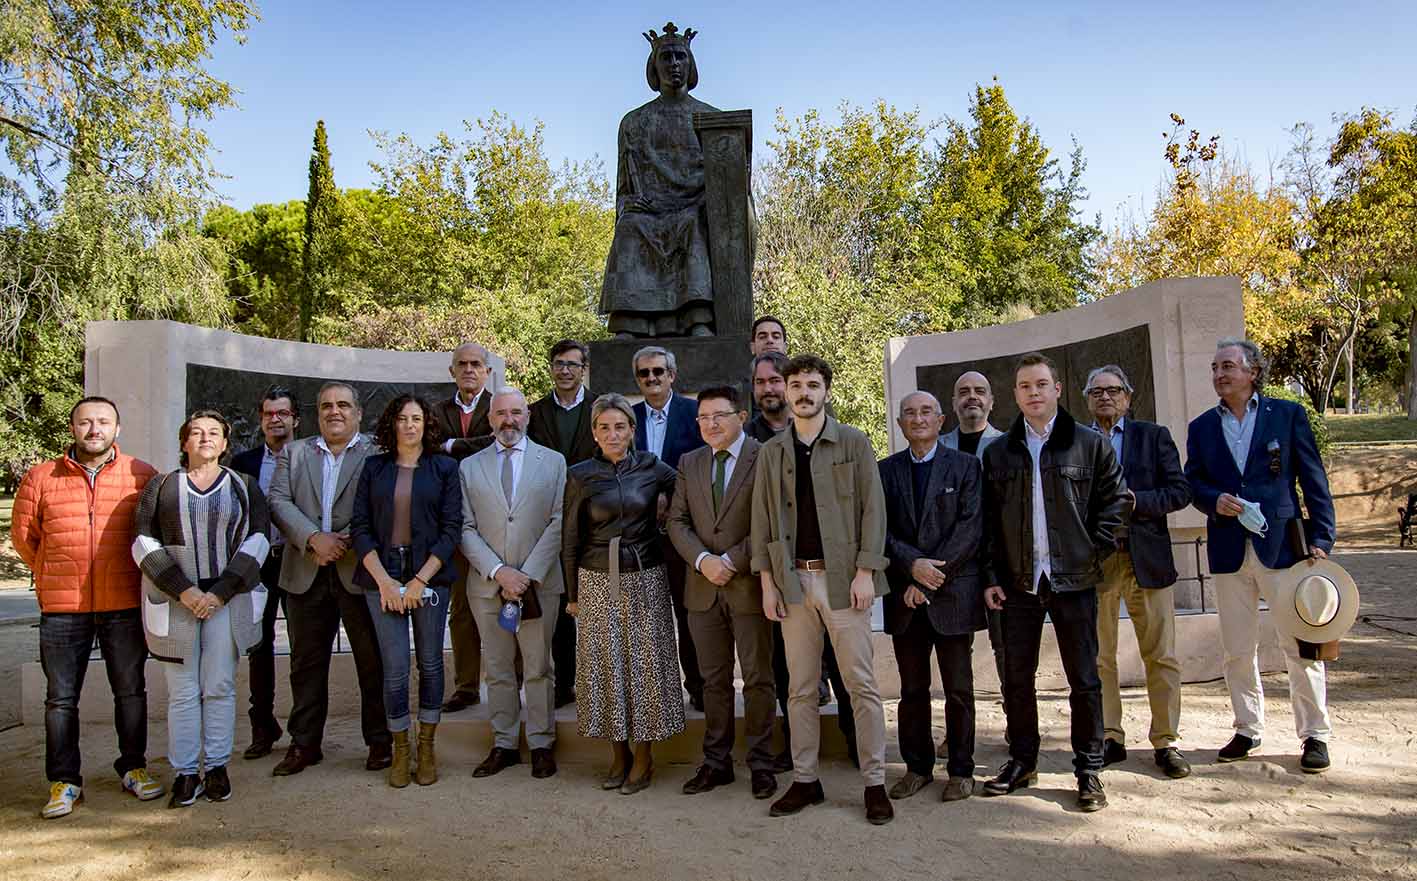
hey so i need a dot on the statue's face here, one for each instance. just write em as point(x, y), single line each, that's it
point(672, 64)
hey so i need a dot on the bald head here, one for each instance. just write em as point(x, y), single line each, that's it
point(973, 401)
point(469, 370)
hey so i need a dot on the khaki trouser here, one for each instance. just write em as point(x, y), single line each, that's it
point(1153, 614)
point(850, 633)
point(500, 652)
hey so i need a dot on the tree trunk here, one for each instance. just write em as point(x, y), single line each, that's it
point(1348, 382)
point(1412, 365)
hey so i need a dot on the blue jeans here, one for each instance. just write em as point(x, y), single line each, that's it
point(391, 629)
point(65, 641)
point(201, 698)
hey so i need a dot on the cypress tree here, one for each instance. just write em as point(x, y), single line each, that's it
point(321, 225)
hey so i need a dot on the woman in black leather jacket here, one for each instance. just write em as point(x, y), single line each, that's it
point(627, 663)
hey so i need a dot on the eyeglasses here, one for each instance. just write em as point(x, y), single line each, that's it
point(647, 372)
point(715, 418)
point(566, 365)
point(1105, 391)
point(277, 414)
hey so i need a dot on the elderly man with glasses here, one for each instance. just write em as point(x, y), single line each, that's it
point(1141, 572)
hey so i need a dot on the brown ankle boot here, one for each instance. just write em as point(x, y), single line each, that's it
point(427, 761)
point(398, 771)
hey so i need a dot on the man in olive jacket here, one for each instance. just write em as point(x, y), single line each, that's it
point(819, 537)
point(1053, 502)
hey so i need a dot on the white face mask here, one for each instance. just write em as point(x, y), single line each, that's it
point(425, 594)
point(1252, 519)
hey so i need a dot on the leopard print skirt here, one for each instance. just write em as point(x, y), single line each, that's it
point(627, 660)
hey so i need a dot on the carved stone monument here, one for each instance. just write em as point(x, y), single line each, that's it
point(680, 266)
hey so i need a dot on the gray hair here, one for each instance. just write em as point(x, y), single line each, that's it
point(508, 390)
point(918, 394)
point(650, 351)
point(1108, 368)
point(1252, 356)
point(776, 359)
point(339, 383)
point(612, 401)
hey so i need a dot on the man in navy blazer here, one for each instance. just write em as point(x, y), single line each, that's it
point(666, 425)
point(1141, 572)
point(934, 524)
point(1251, 448)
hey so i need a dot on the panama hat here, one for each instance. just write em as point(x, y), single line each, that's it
point(1315, 602)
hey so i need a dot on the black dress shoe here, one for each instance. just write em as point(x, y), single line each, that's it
point(1315, 757)
point(459, 702)
point(696, 700)
point(1090, 795)
point(497, 761)
point(263, 740)
point(764, 784)
point(782, 762)
point(1113, 752)
point(543, 763)
point(1238, 748)
point(798, 796)
point(707, 778)
point(297, 759)
point(878, 806)
point(381, 756)
point(1013, 775)
point(1172, 763)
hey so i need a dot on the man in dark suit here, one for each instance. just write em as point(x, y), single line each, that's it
point(933, 529)
point(561, 422)
point(463, 419)
point(1244, 458)
point(665, 425)
point(1141, 572)
point(709, 522)
point(280, 417)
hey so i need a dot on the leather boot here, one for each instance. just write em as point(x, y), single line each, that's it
point(427, 762)
point(398, 771)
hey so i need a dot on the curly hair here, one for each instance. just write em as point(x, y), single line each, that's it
point(386, 431)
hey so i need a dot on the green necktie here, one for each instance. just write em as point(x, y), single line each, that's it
point(720, 470)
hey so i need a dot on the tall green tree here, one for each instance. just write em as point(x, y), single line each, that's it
point(322, 234)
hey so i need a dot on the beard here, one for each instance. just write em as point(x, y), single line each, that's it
point(772, 403)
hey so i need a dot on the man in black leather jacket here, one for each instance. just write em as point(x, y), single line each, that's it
point(1053, 502)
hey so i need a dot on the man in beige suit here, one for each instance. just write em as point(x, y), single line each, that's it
point(709, 522)
point(312, 500)
point(511, 536)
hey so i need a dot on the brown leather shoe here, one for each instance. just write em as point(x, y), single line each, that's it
point(263, 740)
point(459, 702)
point(497, 761)
point(427, 773)
point(543, 763)
point(798, 796)
point(381, 756)
point(878, 806)
point(910, 784)
point(764, 784)
point(297, 759)
point(958, 789)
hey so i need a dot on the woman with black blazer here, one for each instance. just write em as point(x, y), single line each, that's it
point(406, 523)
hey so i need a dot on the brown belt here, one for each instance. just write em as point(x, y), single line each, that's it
point(811, 565)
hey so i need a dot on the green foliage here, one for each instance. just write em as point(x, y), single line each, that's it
point(1316, 422)
point(320, 256)
point(266, 247)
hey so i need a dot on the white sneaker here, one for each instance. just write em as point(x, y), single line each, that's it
point(62, 797)
point(139, 782)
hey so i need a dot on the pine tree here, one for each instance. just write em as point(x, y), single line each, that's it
point(321, 232)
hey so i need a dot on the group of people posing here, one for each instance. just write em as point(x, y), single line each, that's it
point(617, 555)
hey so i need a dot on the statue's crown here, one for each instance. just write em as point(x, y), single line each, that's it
point(670, 36)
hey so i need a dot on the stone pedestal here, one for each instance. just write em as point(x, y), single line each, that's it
point(727, 142)
point(703, 361)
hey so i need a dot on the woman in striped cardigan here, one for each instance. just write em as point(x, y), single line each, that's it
point(201, 539)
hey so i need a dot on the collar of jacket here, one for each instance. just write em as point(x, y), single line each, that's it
point(831, 432)
point(68, 461)
point(632, 460)
point(1064, 428)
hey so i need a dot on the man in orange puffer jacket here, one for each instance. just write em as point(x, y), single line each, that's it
point(73, 526)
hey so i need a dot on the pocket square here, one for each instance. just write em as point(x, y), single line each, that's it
point(949, 489)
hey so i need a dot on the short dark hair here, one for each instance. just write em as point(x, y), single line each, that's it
point(1033, 358)
point(186, 429)
point(565, 346)
point(767, 319)
point(386, 433)
point(275, 393)
point(339, 383)
point(94, 399)
point(778, 360)
point(809, 364)
point(722, 392)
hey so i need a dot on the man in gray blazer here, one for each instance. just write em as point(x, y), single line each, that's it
point(511, 536)
point(312, 500)
point(710, 521)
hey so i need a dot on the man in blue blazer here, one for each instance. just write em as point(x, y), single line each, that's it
point(1251, 450)
point(667, 425)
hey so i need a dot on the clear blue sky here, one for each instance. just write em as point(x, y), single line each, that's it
point(1107, 74)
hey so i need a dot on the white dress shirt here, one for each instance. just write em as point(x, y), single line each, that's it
point(1042, 561)
point(580, 396)
point(735, 449)
point(518, 454)
point(263, 480)
point(929, 457)
point(329, 478)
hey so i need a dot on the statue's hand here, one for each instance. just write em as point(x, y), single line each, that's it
point(639, 203)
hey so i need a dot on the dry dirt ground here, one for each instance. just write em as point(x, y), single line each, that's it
point(1259, 819)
